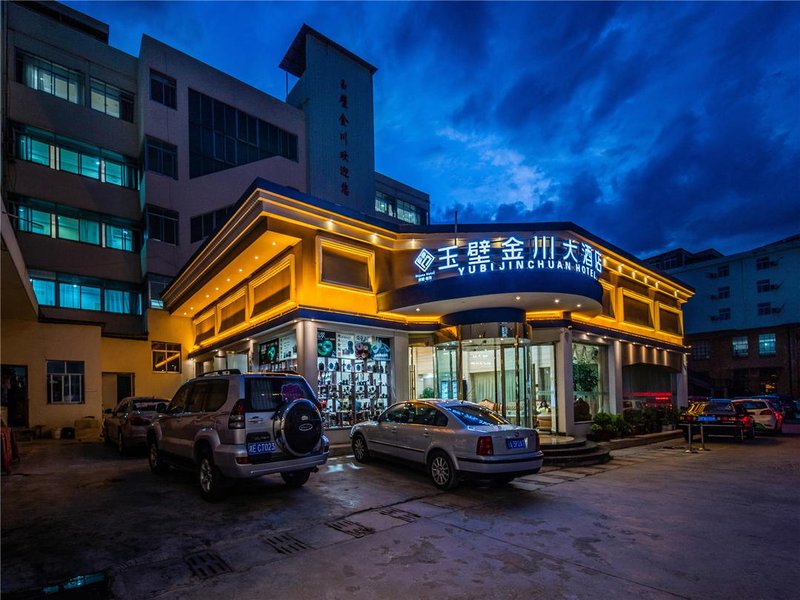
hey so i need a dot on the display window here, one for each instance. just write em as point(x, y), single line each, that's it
point(278, 354)
point(353, 374)
point(589, 364)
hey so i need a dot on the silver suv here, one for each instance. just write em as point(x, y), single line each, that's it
point(228, 425)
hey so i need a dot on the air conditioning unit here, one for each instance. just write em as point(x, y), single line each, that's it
point(776, 310)
point(711, 275)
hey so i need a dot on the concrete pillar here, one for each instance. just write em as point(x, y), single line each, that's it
point(615, 388)
point(565, 395)
point(307, 352)
point(682, 384)
point(399, 384)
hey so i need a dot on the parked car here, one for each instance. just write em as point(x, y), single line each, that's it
point(228, 425)
point(452, 439)
point(717, 418)
point(764, 413)
point(126, 425)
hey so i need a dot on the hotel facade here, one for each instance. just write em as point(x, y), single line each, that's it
point(162, 219)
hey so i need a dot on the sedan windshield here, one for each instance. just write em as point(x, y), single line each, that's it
point(475, 415)
point(148, 405)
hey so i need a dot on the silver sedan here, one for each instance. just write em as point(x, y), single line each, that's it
point(452, 439)
point(126, 425)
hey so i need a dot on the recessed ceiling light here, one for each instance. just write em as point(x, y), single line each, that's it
point(417, 309)
point(228, 279)
point(517, 298)
point(216, 288)
point(273, 243)
point(557, 300)
point(578, 305)
point(240, 270)
point(256, 258)
point(207, 296)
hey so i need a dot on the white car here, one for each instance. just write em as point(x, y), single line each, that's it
point(764, 413)
point(452, 439)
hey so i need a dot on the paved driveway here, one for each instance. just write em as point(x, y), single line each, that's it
point(655, 522)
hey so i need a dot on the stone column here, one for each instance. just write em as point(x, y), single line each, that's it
point(307, 352)
point(565, 395)
point(400, 370)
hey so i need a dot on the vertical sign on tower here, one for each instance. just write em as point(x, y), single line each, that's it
point(344, 152)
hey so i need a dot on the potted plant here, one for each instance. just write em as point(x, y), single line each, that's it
point(603, 427)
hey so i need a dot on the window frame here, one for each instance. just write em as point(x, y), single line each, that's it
point(163, 216)
point(163, 353)
point(167, 89)
point(740, 346)
point(767, 340)
point(72, 380)
point(161, 157)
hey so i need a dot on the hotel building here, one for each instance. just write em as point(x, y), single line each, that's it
point(162, 219)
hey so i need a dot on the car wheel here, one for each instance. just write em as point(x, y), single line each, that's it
point(442, 471)
point(209, 477)
point(120, 443)
point(157, 465)
point(295, 479)
point(360, 450)
point(106, 435)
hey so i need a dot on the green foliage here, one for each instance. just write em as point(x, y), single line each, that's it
point(427, 393)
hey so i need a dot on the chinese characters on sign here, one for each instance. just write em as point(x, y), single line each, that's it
point(539, 253)
point(344, 153)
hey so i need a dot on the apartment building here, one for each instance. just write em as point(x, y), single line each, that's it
point(743, 324)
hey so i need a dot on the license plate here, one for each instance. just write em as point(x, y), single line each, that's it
point(707, 418)
point(255, 448)
point(514, 443)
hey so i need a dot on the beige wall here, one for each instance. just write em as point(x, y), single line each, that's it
point(32, 344)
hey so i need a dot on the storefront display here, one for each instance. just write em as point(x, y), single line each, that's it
point(278, 354)
point(353, 376)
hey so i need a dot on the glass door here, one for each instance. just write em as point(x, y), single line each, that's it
point(446, 374)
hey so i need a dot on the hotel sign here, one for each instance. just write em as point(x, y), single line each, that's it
point(538, 253)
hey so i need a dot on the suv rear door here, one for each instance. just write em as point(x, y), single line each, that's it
point(202, 394)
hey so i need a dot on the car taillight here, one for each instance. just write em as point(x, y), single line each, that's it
point(485, 446)
point(140, 421)
point(766, 412)
point(236, 418)
point(535, 444)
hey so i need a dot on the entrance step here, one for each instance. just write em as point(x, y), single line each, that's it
point(576, 453)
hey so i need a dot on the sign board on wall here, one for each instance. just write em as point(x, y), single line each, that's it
point(510, 254)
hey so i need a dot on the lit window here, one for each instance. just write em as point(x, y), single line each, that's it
point(739, 346)
point(111, 100)
point(49, 77)
point(166, 357)
point(767, 344)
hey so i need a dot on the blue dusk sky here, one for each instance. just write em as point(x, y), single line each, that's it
point(652, 125)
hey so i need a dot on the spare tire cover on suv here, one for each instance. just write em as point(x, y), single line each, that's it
point(298, 427)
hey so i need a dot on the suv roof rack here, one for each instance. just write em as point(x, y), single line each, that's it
point(222, 372)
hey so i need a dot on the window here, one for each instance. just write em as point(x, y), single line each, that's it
point(669, 321)
point(85, 293)
point(764, 308)
point(166, 357)
point(157, 284)
point(636, 312)
point(723, 270)
point(124, 302)
point(161, 157)
point(271, 292)
point(767, 344)
point(64, 382)
point(221, 137)
point(162, 224)
point(739, 346)
point(73, 156)
point(723, 292)
point(763, 262)
point(49, 77)
point(163, 89)
point(76, 295)
point(342, 268)
point(701, 350)
point(670, 262)
point(763, 285)
point(400, 209)
point(724, 314)
point(111, 100)
point(202, 226)
point(67, 223)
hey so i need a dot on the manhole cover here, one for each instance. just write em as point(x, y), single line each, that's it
point(286, 544)
point(207, 564)
point(357, 530)
point(403, 515)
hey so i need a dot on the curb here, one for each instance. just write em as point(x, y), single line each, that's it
point(642, 440)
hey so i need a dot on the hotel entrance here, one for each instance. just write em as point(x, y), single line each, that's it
point(505, 372)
